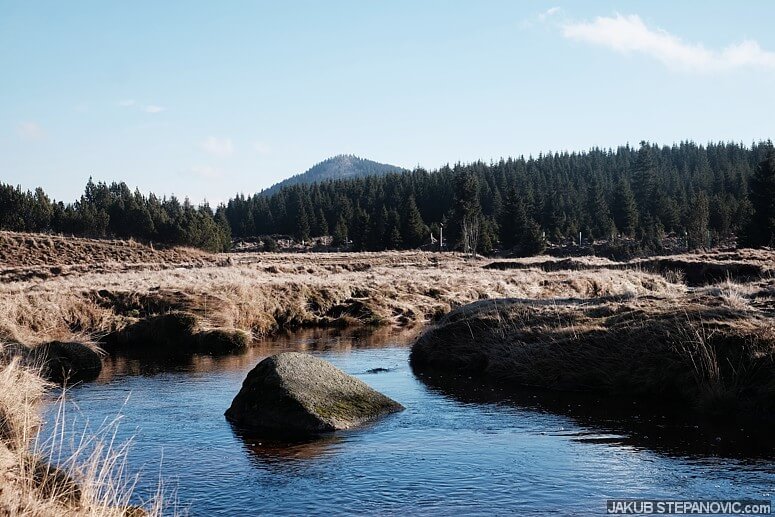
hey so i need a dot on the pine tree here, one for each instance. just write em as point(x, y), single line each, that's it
point(760, 230)
point(393, 238)
point(359, 229)
point(697, 221)
point(625, 210)
point(414, 230)
point(513, 220)
point(599, 213)
point(644, 174)
point(340, 233)
point(302, 227)
point(377, 229)
point(532, 241)
point(467, 210)
point(322, 225)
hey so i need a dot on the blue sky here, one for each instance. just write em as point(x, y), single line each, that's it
point(206, 99)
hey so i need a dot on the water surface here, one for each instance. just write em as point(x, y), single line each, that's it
point(447, 453)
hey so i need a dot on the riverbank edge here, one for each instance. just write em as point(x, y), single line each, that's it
point(694, 354)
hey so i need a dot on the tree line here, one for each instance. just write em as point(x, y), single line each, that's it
point(634, 196)
point(114, 211)
point(701, 194)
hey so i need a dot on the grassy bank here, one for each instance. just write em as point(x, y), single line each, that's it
point(710, 350)
point(46, 478)
point(256, 294)
point(124, 295)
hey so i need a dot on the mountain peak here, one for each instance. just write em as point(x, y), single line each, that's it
point(341, 166)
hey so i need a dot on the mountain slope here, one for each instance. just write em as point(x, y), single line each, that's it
point(344, 166)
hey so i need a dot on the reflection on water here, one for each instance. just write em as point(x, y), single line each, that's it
point(455, 449)
point(624, 422)
point(271, 451)
point(306, 340)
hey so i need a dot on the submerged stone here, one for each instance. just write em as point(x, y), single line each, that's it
point(294, 393)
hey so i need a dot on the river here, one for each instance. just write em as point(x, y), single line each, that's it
point(478, 452)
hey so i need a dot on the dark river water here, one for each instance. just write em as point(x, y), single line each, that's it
point(447, 453)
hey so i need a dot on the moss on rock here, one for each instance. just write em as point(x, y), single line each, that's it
point(301, 394)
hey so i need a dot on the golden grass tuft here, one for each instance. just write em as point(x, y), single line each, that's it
point(84, 476)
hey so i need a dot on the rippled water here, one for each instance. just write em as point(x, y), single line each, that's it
point(446, 454)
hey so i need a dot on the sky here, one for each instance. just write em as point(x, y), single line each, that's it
point(208, 99)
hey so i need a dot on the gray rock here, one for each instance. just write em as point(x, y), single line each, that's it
point(295, 393)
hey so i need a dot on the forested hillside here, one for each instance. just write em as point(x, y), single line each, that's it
point(343, 166)
point(632, 196)
point(700, 193)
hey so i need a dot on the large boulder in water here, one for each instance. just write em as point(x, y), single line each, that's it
point(294, 393)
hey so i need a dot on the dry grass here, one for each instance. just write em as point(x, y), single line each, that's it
point(695, 269)
point(696, 350)
point(733, 294)
point(26, 256)
point(56, 477)
point(261, 293)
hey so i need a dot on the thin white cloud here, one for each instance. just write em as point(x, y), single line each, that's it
point(549, 13)
point(629, 34)
point(262, 148)
point(152, 108)
point(207, 172)
point(147, 108)
point(30, 131)
point(218, 146)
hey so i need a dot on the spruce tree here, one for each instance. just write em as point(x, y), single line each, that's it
point(340, 233)
point(513, 220)
point(321, 224)
point(393, 238)
point(359, 229)
point(302, 226)
point(414, 231)
point(760, 230)
point(697, 221)
point(564, 192)
point(599, 212)
point(489, 236)
point(467, 210)
point(377, 228)
point(625, 210)
point(532, 241)
point(644, 175)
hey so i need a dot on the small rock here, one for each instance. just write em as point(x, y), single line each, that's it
point(379, 370)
